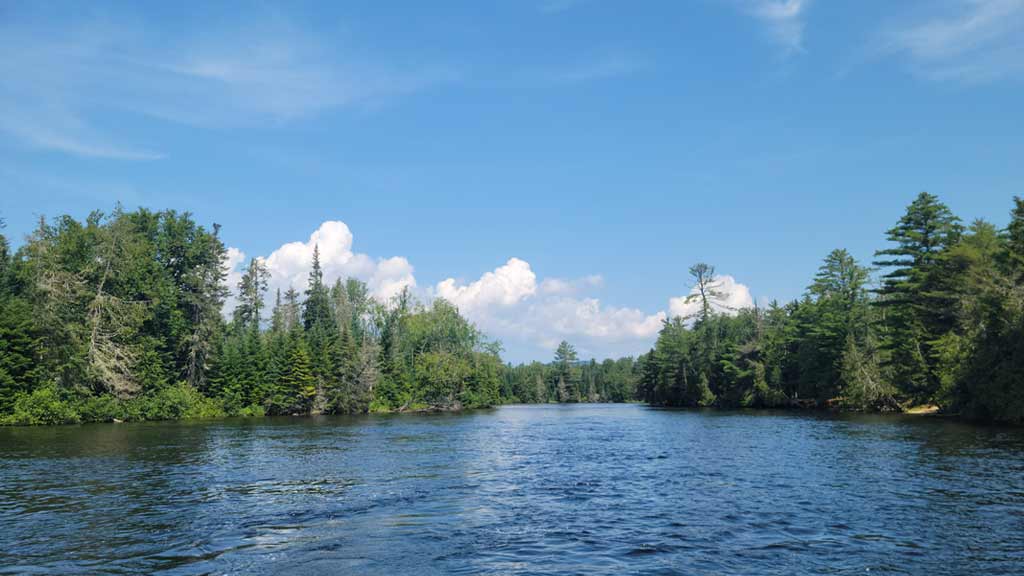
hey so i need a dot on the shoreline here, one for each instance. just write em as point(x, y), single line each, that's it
point(930, 411)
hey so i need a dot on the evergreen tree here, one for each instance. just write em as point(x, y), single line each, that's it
point(297, 384)
point(252, 288)
point(840, 316)
point(20, 351)
point(204, 297)
point(341, 391)
point(277, 315)
point(915, 309)
point(291, 311)
point(317, 309)
point(566, 373)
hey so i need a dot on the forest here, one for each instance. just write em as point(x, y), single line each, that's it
point(121, 318)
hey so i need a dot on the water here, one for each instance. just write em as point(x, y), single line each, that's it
point(586, 489)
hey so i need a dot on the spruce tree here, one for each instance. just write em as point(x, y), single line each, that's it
point(298, 385)
point(20, 351)
point(252, 288)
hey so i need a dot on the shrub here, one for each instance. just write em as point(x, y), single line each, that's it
point(251, 411)
point(45, 405)
point(105, 408)
point(177, 402)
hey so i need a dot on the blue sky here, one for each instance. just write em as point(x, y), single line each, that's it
point(552, 166)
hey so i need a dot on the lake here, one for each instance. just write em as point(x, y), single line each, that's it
point(556, 489)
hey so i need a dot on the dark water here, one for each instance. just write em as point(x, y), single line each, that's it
point(519, 490)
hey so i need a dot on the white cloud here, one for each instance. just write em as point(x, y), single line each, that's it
point(509, 304)
point(734, 296)
point(783, 20)
point(974, 41)
point(391, 276)
point(41, 128)
point(587, 318)
point(505, 286)
point(290, 264)
point(70, 84)
point(570, 286)
point(529, 315)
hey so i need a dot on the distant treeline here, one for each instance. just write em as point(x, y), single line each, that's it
point(120, 318)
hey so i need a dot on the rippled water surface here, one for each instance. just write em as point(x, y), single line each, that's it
point(585, 489)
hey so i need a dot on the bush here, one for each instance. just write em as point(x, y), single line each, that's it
point(105, 408)
point(43, 406)
point(177, 402)
point(251, 411)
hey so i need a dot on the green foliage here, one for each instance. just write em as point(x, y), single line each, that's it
point(180, 401)
point(297, 387)
point(99, 317)
point(44, 405)
point(863, 385)
point(20, 351)
point(914, 296)
point(440, 377)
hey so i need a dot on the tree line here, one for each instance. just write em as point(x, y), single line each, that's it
point(120, 317)
point(943, 325)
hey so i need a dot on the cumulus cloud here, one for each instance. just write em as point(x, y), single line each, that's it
point(505, 286)
point(290, 264)
point(390, 277)
point(588, 319)
point(570, 286)
point(509, 303)
point(530, 315)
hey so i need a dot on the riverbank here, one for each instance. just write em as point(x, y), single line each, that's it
point(181, 403)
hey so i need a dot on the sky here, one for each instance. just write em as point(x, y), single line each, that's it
point(553, 167)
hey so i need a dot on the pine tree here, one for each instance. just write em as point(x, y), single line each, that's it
point(251, 290)
point(317, 309)
point(20, 351)
point(839, 313)
point(275, 397)
point(291, 311)
point(916, 311)
point(277, 315)
point(340, 388)
point(204, 298)
point(298, 383)
point(566, 372)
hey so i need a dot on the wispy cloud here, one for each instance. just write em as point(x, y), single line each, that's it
point(599, 68)
point(41, 126)
point(69, 80)
point(971, 41)
point(783, 20)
